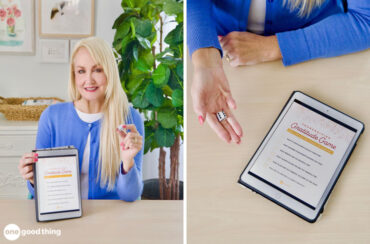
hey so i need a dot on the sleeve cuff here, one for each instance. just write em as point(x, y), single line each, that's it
point(293, 47)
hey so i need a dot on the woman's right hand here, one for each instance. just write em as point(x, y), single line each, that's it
point(25, 165)
point(211, 94)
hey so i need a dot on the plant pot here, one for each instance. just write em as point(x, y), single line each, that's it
point(151, 189)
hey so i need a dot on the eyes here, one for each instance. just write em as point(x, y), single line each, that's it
point(83, 71)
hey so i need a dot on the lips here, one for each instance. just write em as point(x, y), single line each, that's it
point(91, 89)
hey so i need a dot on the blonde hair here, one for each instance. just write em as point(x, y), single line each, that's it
point(305, 6)
point(115, 107)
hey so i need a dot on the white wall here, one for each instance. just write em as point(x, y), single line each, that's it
point(25, 76)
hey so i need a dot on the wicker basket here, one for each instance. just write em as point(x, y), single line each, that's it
point(13, 109)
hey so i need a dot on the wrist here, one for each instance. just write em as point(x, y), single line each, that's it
point(127, 165)
point(273, 52)
point(209, 57)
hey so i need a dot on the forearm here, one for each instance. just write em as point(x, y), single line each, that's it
point(336, 35)
point(200, 27)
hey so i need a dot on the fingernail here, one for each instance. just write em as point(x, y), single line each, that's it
point(124, 126)
point(36, 159)
point(36, 154)
point(201, 120)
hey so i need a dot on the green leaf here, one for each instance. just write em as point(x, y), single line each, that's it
point(143, 27)
point(154, 95)
point(145, 43)
point(123, 17)
point(148, 58)
point(164, 137)
point(167, 90)
point(133, 84)
point(142, 66)
point(172, 7)
point(135, 52)
point(161, 75)
point(128, 3)
point(177, 98)
point(140, 100)
point(167, 117)
point(122, 31)
point(169, 60)
point(174, 81)
point(175, 37)
point(149, 137)
point(180, 70)
point(133, 32)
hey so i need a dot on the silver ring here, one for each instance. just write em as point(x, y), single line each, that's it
point(221, 116)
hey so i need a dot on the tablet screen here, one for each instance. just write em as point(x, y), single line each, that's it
point(57, 184)
point(303, 152)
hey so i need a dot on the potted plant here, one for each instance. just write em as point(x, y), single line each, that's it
point(153, 81)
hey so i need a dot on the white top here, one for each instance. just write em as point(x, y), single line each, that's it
point(88, 118)
point(256, 17)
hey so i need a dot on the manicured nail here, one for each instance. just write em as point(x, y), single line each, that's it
point(124, 126)
point(36, 159)
point(36, 155)
point(201, 120)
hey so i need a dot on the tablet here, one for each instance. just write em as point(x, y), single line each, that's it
point(57, 184)
point(302, 156)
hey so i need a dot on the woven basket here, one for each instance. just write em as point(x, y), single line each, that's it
point(13, 109)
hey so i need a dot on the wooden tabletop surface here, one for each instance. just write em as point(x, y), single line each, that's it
point(103, 221)
point(222, 211)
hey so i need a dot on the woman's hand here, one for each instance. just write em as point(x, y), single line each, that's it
point(25, 166)
point(245, 48)
point(130, 144)
point(211, 94)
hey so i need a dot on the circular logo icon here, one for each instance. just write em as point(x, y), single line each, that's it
point(12, 232)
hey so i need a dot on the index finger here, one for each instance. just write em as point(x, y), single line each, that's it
point(30, 155)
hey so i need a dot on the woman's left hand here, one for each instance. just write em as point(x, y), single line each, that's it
point(130, 144)
point(245, 48)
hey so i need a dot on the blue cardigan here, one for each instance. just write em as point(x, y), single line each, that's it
point(60, 125)
point(330, 30)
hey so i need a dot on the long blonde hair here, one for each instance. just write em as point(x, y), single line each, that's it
point(115, 107)
point(304, 7)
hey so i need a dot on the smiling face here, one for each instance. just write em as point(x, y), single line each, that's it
point(91, 81)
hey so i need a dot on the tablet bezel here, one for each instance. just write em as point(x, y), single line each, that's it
point(70, 151)
point(278, 196)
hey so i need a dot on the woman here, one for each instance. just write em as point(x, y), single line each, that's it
point(289, 30)
point(110, 160)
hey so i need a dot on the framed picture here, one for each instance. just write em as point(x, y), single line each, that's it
point(17, 27)
point(54, 51)
point(72, 44)
point(66, 18)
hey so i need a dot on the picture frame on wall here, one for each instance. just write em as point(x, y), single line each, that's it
point(66, 18)
point(54, 51)
point(17, 27)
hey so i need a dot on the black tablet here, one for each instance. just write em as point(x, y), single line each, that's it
point(302, 156)
point(57, 184)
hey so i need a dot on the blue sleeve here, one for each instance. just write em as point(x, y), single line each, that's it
point(130, 185)
point(335, 35)
point(201, 30)
point(43, 138)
